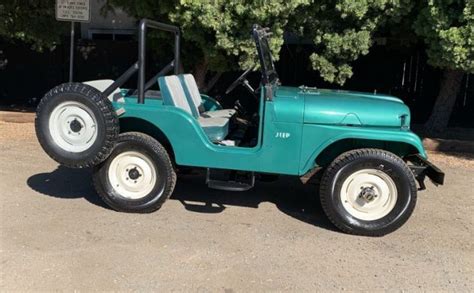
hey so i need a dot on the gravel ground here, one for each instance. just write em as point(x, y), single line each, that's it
point(55, 234)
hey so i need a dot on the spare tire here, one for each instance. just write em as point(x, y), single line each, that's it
point(76, 125)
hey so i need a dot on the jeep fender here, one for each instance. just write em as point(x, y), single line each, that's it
point(324, 136)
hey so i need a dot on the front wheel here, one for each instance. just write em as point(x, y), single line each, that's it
point(137, 177)
point(368, 192)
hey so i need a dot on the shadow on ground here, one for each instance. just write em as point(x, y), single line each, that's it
point(66, 183)
point(288, 194)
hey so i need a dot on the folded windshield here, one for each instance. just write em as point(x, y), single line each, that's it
point(265, 55)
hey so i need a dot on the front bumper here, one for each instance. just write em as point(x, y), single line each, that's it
point(422, 168)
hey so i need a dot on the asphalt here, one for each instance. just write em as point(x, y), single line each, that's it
point(55, 234)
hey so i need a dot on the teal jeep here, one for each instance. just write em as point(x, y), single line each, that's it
point(358, 145)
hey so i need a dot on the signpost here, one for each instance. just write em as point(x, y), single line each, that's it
point(73, 11)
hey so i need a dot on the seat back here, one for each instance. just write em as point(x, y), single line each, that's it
point(192, 92)
point(102, 85)
point(173, 93)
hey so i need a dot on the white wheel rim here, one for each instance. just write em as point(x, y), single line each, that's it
point(369, 194)
point(124, 179)
point(73, 126)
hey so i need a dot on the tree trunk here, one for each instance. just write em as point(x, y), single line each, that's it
point(200, 71)
point(449, 90)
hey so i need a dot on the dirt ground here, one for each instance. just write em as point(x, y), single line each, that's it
point(55, 234)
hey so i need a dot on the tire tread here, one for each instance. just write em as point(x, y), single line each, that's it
point(105, 107)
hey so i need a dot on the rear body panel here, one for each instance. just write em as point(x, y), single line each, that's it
point(191, 146)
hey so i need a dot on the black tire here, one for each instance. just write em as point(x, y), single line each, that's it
point(350, 162)
point(98, 106)
point(162, 188)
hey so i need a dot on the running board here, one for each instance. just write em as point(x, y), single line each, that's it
point(229, 180)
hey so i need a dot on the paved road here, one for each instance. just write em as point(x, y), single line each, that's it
point(57, 235)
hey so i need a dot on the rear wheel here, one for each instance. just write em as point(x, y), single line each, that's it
point(137, 177)
point(368, 192)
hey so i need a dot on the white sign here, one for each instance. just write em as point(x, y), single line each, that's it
point(73, 10)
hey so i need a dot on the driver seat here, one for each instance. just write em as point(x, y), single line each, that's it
point(195, 100)
point(216, 128)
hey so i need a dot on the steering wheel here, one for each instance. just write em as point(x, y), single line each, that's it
point(239, 80)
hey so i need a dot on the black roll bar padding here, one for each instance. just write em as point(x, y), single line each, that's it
point(121, 80)
point(142, 29)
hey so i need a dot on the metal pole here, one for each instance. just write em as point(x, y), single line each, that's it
point(71, 54)
point(121, 80)
point(141, 61)
point(163, 71)
point(176, 52)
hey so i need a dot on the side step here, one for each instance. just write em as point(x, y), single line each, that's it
point(230, 180)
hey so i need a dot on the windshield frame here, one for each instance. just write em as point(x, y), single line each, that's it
point(267, 67)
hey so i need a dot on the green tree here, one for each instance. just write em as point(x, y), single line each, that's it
point(32, 22)
point(343, 30)
point(447, 29)
point(215, 34)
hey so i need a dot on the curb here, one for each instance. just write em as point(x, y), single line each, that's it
point(17, 117)
point(448, 145)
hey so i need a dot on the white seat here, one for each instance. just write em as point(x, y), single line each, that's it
point(216, 128)
point(224, 113)
point(102, 85)
point(194, 96)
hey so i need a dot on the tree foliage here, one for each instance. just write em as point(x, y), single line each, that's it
point(32, 22)
point(216, 33)
point(447, 29)
point(343, 30)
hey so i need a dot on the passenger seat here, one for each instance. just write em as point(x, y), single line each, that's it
point(216, 128)
point(194, 97)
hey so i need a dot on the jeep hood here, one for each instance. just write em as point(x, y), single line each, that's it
point(323, 106)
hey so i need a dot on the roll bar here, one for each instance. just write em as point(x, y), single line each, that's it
point(140, 65)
